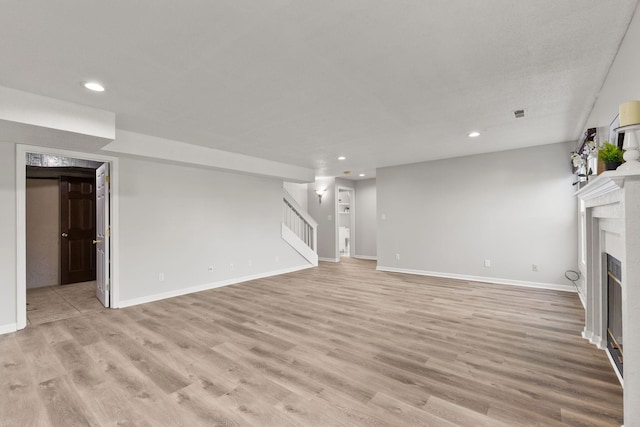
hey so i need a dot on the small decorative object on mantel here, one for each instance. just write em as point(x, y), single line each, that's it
point(630, 113)
point(582, 157)
point(630, 126)
point(611, 155)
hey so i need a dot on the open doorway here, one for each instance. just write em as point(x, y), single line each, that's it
point(65, 224)
point(346, 221)
point(60, 235)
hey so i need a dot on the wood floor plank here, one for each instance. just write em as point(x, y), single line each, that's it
point(144, 396)
point(64, 404)
point(338, 345)
point(409, 415)
point(19, 400)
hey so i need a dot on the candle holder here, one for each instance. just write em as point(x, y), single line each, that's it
point(630, 147)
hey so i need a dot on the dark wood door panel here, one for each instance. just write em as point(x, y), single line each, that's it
point(77, 228)
point(81, 217)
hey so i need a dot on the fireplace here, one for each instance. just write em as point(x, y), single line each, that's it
point(614, 311)
point(610, 261)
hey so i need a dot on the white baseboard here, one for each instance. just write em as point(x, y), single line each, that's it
point(550, 286)
point(582, 300)
point(207, 286)
point(7, 329)
point(374, 258)
point(329, 259)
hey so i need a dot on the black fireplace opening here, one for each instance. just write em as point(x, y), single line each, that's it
point(614, 311)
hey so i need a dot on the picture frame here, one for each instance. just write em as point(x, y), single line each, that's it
point(616, 138)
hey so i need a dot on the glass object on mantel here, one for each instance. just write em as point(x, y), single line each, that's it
point(585, 159)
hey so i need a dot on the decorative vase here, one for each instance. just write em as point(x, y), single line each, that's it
point(611, 166)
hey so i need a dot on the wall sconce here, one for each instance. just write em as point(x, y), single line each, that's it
point(320, 193)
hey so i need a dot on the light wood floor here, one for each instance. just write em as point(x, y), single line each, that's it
point(340, 345)
point(51, 303)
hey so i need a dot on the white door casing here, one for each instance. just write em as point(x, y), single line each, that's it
point(102, 234)
point(113, 218)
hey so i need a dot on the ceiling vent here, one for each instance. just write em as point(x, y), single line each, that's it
point(519, 114)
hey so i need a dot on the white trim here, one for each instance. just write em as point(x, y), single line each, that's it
point(550, 286)
point(582, 299)
point(328, 259)
point(21, 258)
point(296, 243)
point(208, 286)
point(615, 367)
point(7, 329)
point(375, 258)
point(21, 238)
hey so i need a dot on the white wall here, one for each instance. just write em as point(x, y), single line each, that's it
point(8, 233)
point(325, 216)
point(174, 219)
point(299, 192)
point(621, 84)
point(179, 220)
point(623, 81)
point(21, 107)
point(515, 208)
point(366, 224)
point(43, 232)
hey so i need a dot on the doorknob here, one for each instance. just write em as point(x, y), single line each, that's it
point(65, 235)
point(96, 241)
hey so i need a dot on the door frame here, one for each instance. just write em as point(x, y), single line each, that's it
point(21, 224)
point(352, 220)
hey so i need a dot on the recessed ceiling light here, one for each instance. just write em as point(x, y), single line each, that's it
point(94, 86)
point(361, 174)
point(342, 158)
point(474, 134)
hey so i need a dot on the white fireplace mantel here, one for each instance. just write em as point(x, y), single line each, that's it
point(611, 223)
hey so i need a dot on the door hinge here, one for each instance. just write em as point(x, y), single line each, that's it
point(108, 233)
point(107, 179)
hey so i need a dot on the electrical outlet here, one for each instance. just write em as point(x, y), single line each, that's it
point(534, 267)
point(383, 217)
point(329, 217)
point(277, 258)
point(230, 266)
point(250, 263)
point(161, 277)
point(397, 257)
point(211, 269)
point(487, 263)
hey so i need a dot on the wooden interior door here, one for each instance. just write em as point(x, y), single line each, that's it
point(77, 230)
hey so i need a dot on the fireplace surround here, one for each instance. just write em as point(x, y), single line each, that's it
point(610, 226)
point(615, 337)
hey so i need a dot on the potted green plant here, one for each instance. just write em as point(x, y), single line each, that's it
point(611, 155)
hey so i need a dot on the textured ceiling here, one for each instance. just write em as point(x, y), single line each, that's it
point(302, 82)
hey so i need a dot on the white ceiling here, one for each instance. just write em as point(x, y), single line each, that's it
point(302, 82)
